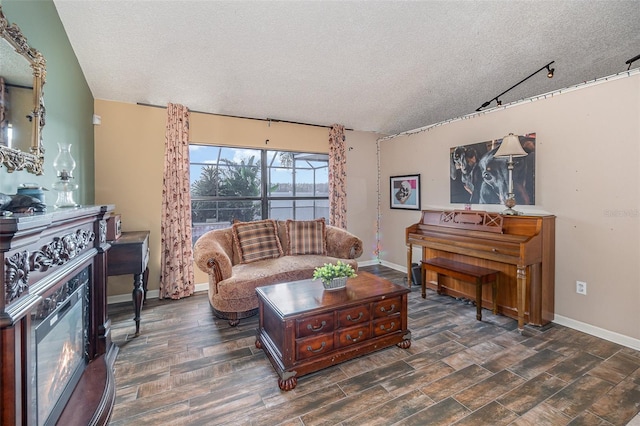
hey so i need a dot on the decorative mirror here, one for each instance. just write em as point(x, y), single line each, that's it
point(22, 75)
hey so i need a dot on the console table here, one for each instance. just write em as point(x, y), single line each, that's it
point(129, 254)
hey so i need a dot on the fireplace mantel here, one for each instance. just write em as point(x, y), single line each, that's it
point(39, 253)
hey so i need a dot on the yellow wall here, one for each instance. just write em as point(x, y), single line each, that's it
point(587, 156)
point(129, 147)
point(129, 152)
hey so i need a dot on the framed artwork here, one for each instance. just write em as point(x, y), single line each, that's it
point(405, 192)
point(479, 178)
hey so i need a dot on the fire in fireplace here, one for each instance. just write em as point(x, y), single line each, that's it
point(59, 327)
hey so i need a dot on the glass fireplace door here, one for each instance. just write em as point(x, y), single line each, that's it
point(59, 325)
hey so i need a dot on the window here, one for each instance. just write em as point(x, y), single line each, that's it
point(246, 184)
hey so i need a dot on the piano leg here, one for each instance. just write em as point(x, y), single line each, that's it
point(423, 280)
point(409, 263)
point(521, 294)
point(479, 299)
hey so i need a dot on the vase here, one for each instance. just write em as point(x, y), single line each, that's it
point(335, 283)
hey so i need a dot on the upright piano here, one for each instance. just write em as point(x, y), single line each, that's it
point(522, 248)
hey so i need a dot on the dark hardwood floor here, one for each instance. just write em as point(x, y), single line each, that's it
point(189, 368)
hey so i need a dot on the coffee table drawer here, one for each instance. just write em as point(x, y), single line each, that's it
point(314, 325)
point(387, 307)
point(352, 335)
point(353, 316)
point(314, 346)
point(386, 325)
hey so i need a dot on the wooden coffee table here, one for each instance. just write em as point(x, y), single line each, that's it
point(304, 328)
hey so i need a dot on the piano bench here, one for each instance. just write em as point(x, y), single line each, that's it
point(464, 272)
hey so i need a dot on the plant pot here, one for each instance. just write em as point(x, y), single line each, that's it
point(335, 284)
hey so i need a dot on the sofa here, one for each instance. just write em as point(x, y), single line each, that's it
point(252, 254)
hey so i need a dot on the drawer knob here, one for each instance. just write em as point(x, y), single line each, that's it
point(360, 315)
point(356, 338)
point(311, 328)
point(392, 325)
point(322, 345)
point(391, 309)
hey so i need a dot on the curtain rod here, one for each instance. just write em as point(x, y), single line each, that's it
point(270, 120)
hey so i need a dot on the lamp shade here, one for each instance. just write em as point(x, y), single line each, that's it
point(510, 146)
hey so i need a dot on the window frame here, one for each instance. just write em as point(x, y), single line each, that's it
point(266, 164)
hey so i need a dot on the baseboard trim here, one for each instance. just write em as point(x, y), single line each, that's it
point(151, 294)
point(401, 268)
point(368, 263)
point(611, 336)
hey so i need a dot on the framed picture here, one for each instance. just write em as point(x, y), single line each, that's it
point(405, 192)
point(479, 178)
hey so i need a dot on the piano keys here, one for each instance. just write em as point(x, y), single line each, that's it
point(522, 248)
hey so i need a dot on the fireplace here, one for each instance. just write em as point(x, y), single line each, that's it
point(59, 339)
point(56, 354)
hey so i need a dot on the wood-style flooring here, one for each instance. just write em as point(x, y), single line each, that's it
point(189, 368)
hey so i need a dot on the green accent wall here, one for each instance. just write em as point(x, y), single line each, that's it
point(67, 98)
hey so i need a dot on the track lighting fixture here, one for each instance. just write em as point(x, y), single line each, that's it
point(549, 74)
point(550, 71)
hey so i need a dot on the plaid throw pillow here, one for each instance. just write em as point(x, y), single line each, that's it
point(307, 237)
point(256, 240)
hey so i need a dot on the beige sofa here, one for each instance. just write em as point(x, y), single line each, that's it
point(232, 281)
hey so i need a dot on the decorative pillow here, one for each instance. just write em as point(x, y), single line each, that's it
point(256, 240)
point(307, 237)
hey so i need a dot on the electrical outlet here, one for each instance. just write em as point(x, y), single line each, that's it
point(581, 287)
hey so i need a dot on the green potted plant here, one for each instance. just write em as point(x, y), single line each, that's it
point(334, 276)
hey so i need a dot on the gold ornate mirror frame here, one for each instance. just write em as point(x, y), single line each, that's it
point(15, 159)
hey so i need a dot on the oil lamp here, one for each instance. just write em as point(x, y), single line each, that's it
point(64, 164)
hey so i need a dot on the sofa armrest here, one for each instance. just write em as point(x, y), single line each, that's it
point(342, 243)
point(211, 257)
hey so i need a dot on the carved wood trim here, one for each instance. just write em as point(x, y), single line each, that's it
point(57, 252)
point(61, 250)
point(16, 279)
point(103, 231)
point(473, 220)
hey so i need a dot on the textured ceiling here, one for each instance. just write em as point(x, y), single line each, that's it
point(386, 66)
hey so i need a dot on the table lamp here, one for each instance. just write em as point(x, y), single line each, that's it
point(509, 148)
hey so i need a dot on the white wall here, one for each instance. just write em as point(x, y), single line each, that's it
point(587, 174)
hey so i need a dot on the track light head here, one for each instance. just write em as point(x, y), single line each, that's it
point(550, 71)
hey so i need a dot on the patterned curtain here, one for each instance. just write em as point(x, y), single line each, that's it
point(177, 280)
point(337, 177)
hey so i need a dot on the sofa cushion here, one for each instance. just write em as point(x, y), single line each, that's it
point(256, 240)
point(307, 237)
point(246, 277)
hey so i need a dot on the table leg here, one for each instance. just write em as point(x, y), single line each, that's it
point(137, 295)
point(145, 281)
